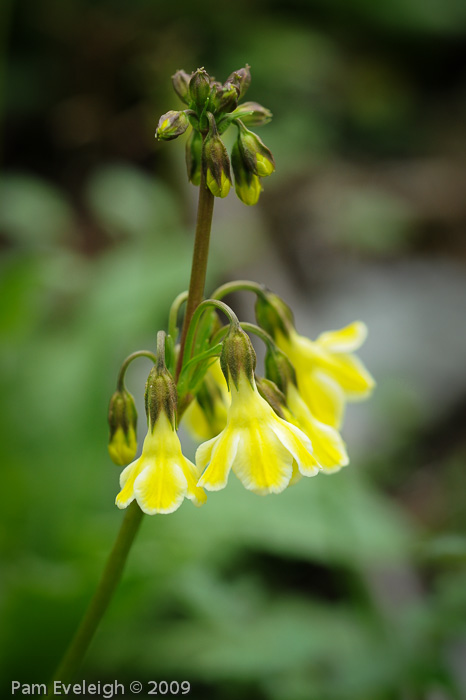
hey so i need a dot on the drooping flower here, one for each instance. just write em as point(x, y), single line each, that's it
point(327, 372)
point(161, 477)
point(206, 415)
point(258, 445)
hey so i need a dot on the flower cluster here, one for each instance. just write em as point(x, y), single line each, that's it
point(211, 108)
point(270, 431)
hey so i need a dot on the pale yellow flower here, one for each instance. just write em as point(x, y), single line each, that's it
point(260, 447)
point(327, 372)
point(206, 415)
point(161, 477)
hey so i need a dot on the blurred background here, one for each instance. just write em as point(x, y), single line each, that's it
point(343, 588)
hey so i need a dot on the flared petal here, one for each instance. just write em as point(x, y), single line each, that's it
point(299, 446)
point(127, 478)
point(161, 489)
point(222, 453)
point(347, 339)
point(197, 495)
point(263, 463)
point(352, 376)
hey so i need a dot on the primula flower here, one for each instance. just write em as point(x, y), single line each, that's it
point(260, 447)
point(327, 373)
point(162, 477)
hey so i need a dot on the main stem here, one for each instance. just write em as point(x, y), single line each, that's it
point(99, 603)
point(199, 265)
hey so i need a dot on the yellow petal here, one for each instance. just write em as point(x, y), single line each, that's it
point(127, 478)
point(352, 376)
point(323, 395)
point(346, 339)
point(263, 463)
point(160, 489)
point(299, 445)
point(197, 495)
point(223, 451)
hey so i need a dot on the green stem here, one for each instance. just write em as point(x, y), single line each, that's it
point(199, 265)
point(127, 362)
point(239, 286)
point(232, 317)
point(173, 316)
point(99, 603)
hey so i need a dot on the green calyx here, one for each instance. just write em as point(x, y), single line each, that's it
point(273, 314)
point(238, 356)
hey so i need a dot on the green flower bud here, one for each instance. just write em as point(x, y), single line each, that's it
point(238, 356)
point(252, 114)
point(122, 419)
point(273, 314)
point(199, 88)
point(255, 153)
point(181, 85)
point(215, 162)
point(171, 125)
point(247, 185)
point(160, 396)
point(194, 157)
point(223, 98)
point(241, 78)
point(279, 369)
point(272, 394)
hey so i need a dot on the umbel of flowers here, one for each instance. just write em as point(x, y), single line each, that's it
point(269, 430)
point(212, 107)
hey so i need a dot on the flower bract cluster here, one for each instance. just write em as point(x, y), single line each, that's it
point(212, 107)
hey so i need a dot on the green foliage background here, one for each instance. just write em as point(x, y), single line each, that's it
point(349, 587)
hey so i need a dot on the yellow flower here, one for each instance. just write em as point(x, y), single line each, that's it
point(327, 373)
point(206, 416)
point(260, 447)
point(218, 189)
point(162, 477)
point(329, 448)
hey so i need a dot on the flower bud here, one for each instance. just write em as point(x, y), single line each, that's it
point(223, 98)
point(238, 356)
point(273, 314)
point(122, 419)
point(171, 125)
point(194, 157)
point(256, 155)
point(215, 162)
point(241, 78)
point(247, 185)
point(252, 114)
point(181, 85)
point(279, 369)
point(272, 394)
point(160, 396)
point(199, 88)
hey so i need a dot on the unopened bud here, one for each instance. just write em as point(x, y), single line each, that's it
point(257, 157)
point(181, 85)
point(273, 315)
point(241, 78)
point(279, 369)
point(160, 396)
point(272, 394)
point(238, 356)
point(215, 162)
point(224, 98)
point(252, 114)
point(247, 184)
point(171, 125)
point(199, 88)
point(194, 157)
point(122, 419)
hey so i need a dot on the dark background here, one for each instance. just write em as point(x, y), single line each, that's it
point(346, 587)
